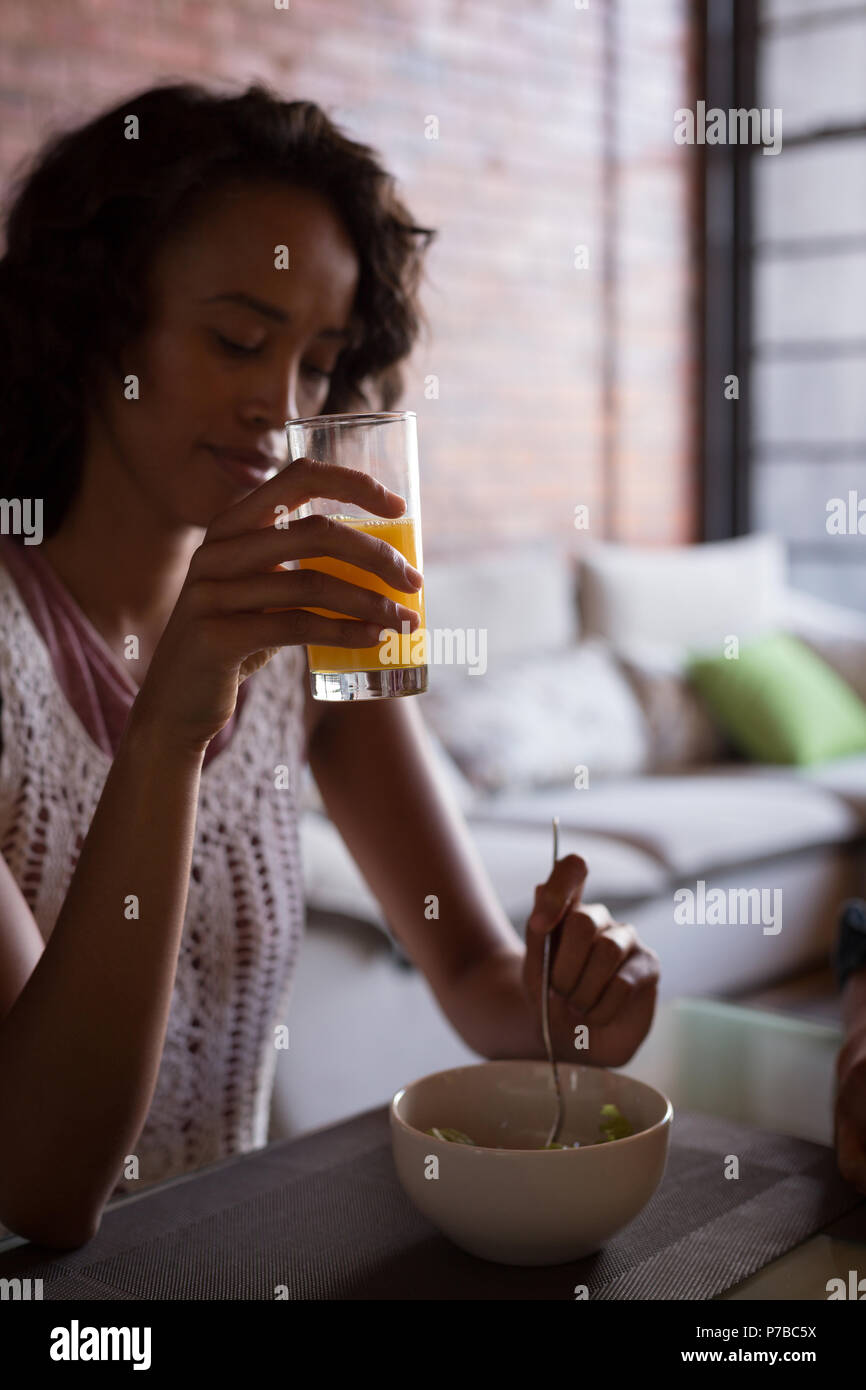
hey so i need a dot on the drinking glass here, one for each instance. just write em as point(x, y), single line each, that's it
point(385, 445)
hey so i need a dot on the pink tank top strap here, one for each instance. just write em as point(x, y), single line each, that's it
point(91, 677)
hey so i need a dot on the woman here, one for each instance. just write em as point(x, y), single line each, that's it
point(182, 275)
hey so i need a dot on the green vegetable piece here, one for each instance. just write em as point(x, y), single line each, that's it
point(613, 1125)
point(453, 1136)
point(554, 1145)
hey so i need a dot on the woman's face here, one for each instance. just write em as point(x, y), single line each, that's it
point(234, 347)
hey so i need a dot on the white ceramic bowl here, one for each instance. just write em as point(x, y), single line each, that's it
point(520, 1204)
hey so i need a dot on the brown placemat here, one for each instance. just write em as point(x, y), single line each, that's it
point(325, 1216)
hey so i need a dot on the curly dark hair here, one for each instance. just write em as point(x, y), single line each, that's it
point(89, 214)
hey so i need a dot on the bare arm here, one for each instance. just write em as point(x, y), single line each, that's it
point(82, 1022)
point(84, 1018)
point(373, 766)
point(374, 769)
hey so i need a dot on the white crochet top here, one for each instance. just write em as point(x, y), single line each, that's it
point(245, 909)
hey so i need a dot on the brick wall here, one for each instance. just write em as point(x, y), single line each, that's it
point(556, 385)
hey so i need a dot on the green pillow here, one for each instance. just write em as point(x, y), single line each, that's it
point(780, 703)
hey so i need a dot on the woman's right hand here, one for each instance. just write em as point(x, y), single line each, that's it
point(237, 606)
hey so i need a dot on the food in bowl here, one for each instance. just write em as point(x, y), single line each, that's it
point(613, 1126)
point(502, 1197)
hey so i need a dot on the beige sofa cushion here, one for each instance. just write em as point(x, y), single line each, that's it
point(515, 857)
point(533, 722)
point(524, 599)
point(676, 597)
point(698, 822)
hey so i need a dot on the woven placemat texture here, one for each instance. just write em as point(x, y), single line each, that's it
point(324, 1217)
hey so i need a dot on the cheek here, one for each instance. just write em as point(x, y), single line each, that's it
point(174, 360)
point(177, 381)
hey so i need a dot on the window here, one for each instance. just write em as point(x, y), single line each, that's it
point(785, 288)
point(808, 338)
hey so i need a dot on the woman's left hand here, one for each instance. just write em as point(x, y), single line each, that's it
point(601, 975)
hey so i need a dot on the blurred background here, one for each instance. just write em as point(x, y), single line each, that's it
point(520, 131)
point(641, 397)
point(524, 131)
point(788, 233)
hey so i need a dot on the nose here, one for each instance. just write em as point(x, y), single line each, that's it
point(273, 403)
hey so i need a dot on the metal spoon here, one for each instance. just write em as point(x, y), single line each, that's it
point(545, 1016)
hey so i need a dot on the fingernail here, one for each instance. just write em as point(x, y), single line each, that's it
point(536, 921)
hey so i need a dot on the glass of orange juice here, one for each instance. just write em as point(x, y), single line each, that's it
point(385, 445)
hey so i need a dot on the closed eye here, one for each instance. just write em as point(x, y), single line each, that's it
point(240, 350)
point(236, 349)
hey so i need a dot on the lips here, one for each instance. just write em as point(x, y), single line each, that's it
point(245, 465)
point(254, 458)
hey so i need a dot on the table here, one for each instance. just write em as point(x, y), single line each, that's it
point(323, 1217)
point(762, 1068)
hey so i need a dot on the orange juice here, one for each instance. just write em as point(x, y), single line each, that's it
point(401, 535)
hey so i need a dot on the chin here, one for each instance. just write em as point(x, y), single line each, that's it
point(197, 506)
point(199, 511)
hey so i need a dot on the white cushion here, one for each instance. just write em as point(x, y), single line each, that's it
point(692, 824)
point(846, 777)
point(516, 858)
point(519, 857)
point(684, 596)
point(524, 599)
point(533, 722)
point(800, 612)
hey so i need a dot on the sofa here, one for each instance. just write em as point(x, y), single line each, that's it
point(576, 703)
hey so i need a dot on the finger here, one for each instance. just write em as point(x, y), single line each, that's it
point(574, 943)
point(561, 891)
point(266, 547)
point(608, 952)
point(285, 589)
point(552, 900)
point(638, 974)
point(300, 482)
point(243, 634)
